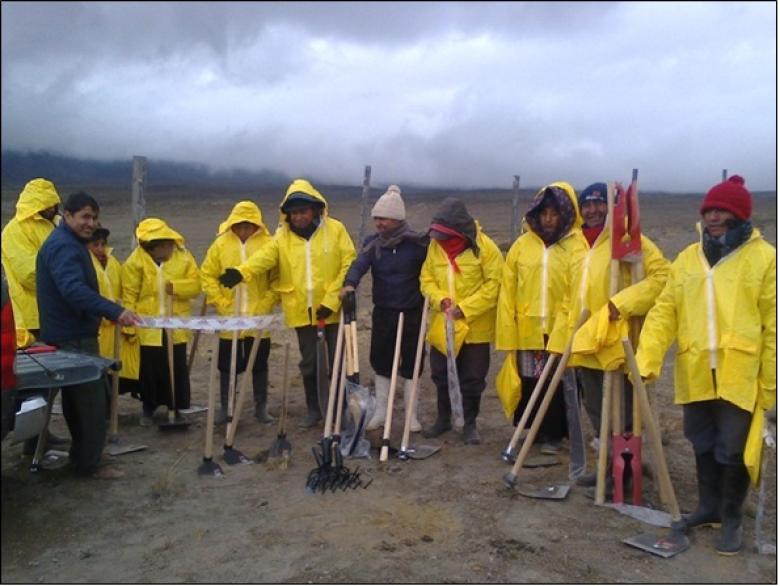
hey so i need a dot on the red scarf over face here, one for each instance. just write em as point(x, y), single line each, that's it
point(454, 245)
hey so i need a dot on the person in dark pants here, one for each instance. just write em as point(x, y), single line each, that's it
point(725, 283)
point(461, 277)
point(70, 309)
point(312, 253)
point(394, 255)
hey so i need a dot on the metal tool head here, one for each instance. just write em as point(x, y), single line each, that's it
point(210, 468)
point(233, 456)
point(420, 452)
point(667, 546)
point(554, 492)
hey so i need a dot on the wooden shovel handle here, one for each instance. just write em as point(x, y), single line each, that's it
point(242, 389)
point(169, 347)
point(334, 377)
point(411, 400)
point(391, 394)
point(114, 428)
point(195, 338)
point(285, 385)
point(209, 448)
point(531, 402)
point(652, 431)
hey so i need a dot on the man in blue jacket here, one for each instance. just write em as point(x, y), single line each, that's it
point(395, 255)
point(70, 310)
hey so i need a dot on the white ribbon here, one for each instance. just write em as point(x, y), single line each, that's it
point(212, 323)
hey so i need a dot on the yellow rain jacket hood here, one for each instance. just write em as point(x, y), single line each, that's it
point(476, 291)
point(22, 237)
point(533, 283)
point(156, 229)
point(722, 317)
point(248, 298)
point(143, 281)
point(587, 287)
point(310, 271)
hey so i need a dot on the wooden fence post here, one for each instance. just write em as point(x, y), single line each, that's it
point(364, 206)
point(515, 205)
point(138, 202)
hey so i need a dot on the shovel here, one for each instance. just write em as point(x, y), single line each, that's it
point(675, 541)
point(281, 448)
point(383, 453)
point(209, 467)
point(172, 424)
point(194, 348)
point(231, 455)
point(453, 382)
point(114, 447)
point(322, 366)
point(406, 451)
point(510, 479)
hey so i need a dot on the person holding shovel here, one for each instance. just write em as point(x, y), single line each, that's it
point(394, 255)
point(71, 308)
point(720, 306)
point(587, 287)
point(312, 253)
point(461, 277)
point(532, 290)
point(160, 278)
point(242, 234)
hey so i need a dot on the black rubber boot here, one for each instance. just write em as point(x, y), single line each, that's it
point(313, 415)
point(707, 513)
point(444, 418)
point(470, 412)
point(224, 388)
point(260, 391)
point(734, 490)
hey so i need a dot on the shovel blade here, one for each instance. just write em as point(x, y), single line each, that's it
point(665, 547)
point(419, 452)
point(118, 450)
point(555, 492)
point(233, 456)
point(210, 468)
point(542, 461)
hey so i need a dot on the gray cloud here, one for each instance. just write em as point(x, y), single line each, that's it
point(449, 94)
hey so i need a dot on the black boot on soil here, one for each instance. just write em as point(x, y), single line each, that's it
point(442, 425)
point(313, 414)
point(707, 513)
point(470, 434)
point(734, 491)
point(260, 391)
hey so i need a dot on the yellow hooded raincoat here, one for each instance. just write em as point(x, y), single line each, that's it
point(534, 284)
point(588, 288)
point(311, 272)
point(723, 318)
point(110, 287)
point(143, 281)
point(256, 296)
point(476, 289)
point(22, 237)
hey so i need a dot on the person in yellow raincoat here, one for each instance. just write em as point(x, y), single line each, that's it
point(109, 275)
point(720, 306)
point(461, 251)
point(588, 277)
point(312, 253)
point(242, 234)
point(36, 216)
point(532, 290)
point(159, 278)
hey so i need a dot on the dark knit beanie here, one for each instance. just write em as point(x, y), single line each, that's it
point(731, 196)
point(594, 192)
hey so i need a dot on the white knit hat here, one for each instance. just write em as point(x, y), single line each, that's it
point(390, 205)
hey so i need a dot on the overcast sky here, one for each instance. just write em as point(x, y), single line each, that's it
point(439, 94)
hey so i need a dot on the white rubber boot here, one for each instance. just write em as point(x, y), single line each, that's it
point(382, 387)
point(415, 425)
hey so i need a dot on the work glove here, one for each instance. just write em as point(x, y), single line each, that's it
point(323, 312)
point(230, 278)
point(348, 302)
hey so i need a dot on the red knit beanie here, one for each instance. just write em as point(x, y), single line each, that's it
point(731, 196)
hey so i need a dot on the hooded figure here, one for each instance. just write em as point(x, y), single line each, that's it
point(461, 275)
point(241, 235)
point(160, 278)
point(723, 316)
point(311, 252)
point(394, 255)
point(533, 287)
point(22, 237)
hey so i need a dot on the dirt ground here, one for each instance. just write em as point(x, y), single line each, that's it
point(447, 519)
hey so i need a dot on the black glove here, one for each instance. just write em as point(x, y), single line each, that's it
point(230, 278)
point(323, 312)
point(348, 303)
